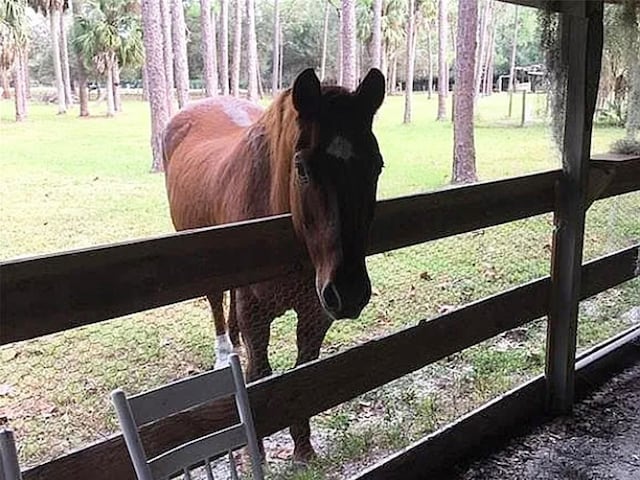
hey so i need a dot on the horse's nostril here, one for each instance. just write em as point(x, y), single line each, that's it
point(331, 297)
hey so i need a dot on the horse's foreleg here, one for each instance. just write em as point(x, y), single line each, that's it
point(223, 345)
point(234, 330)
point(254, 321)
point(313, 324)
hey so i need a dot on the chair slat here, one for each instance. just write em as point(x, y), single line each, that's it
point(9, 466)
point(181, 395)
point(202, 448)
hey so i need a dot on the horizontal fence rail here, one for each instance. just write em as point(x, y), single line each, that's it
point(478, 432)
point(49, 294)
point(315, 387)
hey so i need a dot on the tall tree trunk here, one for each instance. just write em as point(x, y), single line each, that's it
point(632, 54)
point(514, 50)
point(117, 99)
point(208, 50)
point(224, 46)
point(384, 65)
point(167, 48)
point(376, 35)
point(408, 91)
point(6, 88)
point(19, 86)
point(483, 47)
point(111, 107)
point(237, 50)
point(179, 43)
point(145, 82)
point(443, 83)
point(64, 59)
point(430, 65)
point(489, 68)
point(154, 58)
point(393, 82)
point(83, 91)
point(339, 62)
point(54, 26)
point(252, 64)
point(464, 154)
point(27, 73)
point(276, 48)
point(348, 34)
point(281, 65)
point(325, 34)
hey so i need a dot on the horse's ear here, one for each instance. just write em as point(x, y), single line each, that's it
point(371, 90)
point(306, 94)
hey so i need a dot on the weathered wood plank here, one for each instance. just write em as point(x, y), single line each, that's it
point(48, 294)
point(626, 176)
point(483, 430)
point(569, 7)
point(406, 221)
point(582, 47)
point(317, 386)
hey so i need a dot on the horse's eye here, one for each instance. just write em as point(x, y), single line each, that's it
point(301, 169)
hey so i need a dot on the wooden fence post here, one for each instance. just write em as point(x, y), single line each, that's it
point(582, 47)
point(524, 108)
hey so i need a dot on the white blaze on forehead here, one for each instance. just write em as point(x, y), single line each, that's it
point(340, 148)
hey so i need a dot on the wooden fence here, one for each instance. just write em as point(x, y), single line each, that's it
point(57, 292)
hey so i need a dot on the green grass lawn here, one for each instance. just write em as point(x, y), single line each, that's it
point(70, 182)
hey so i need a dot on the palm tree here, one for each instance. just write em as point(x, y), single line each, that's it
point(410, 59)
point(376, 34)
point(325, 34)
point(178, 30)
point(13, 41)
point(348, 35)
point(53, 9)
point(154, 61)
point(443, 83)
point(464, 156)
point(208, 50)
point(237, 50)
point(107, 35)
point(252, 64)
point(224, 46)
point(168, 51)
point(64, 56)
point(275, 70)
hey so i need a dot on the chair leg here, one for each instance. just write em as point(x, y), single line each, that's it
point(207, 469)
point(232, 466)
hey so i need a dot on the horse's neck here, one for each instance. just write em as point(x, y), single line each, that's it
point(280, 125)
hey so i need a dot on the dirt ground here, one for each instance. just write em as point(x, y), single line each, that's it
point(600, 441)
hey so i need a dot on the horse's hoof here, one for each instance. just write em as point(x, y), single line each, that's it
point(304, 456)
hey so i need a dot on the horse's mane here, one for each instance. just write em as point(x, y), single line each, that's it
point(279, 123)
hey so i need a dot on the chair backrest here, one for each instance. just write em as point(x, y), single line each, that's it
point(9, 466)
point(178, 396)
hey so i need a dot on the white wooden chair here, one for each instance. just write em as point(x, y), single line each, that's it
point(181, 395)
point(9, 466)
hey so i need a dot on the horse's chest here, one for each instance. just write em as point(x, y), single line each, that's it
point(278, 296)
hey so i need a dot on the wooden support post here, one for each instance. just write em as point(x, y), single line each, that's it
point(524, 108)
point(582, 48)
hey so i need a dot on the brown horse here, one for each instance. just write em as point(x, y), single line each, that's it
point(311, 153)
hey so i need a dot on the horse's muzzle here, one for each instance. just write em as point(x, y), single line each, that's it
point(346, 295)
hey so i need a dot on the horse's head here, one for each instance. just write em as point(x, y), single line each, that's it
point(335, 175)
